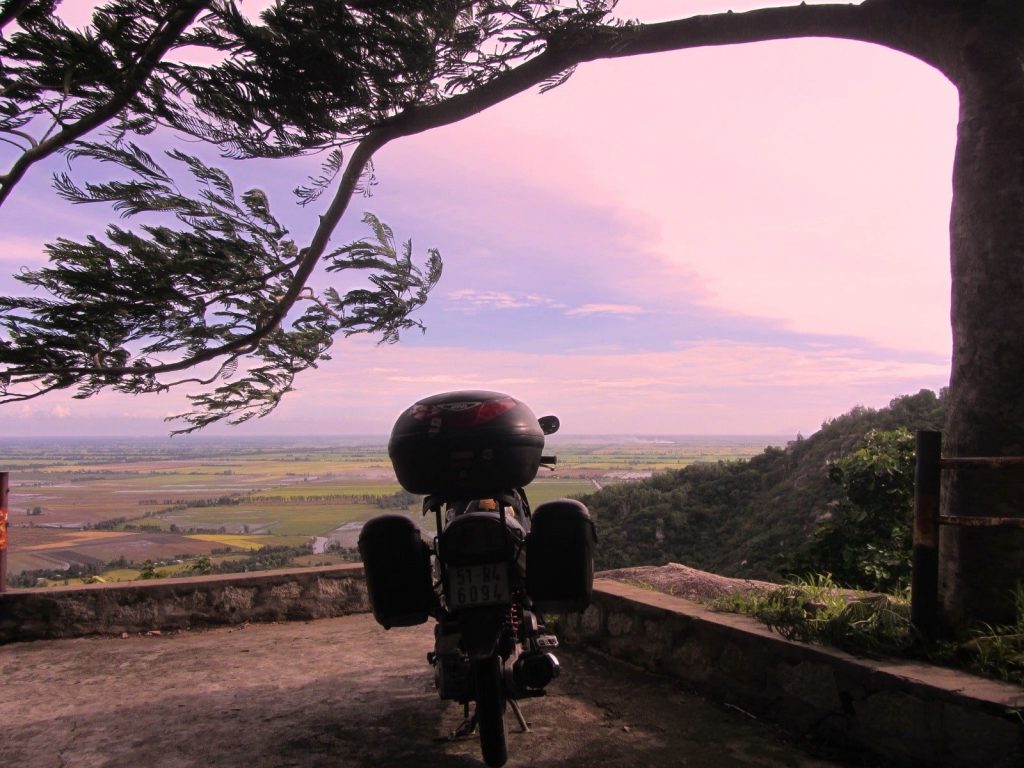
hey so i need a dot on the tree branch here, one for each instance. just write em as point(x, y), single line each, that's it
point(166, 37)
point(907, 27)
point(882, 22)
point(12, 10)
point(19, 398)
point(307, 263)
point(866, 22)
point(874, 21)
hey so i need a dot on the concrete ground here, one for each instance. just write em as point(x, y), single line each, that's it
point(339, 693)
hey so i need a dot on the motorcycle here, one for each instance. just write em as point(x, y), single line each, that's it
point(494, 568)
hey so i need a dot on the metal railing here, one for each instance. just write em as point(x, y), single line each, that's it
point(924, 587)
point(4, 493)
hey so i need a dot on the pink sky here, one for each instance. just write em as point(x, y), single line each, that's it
point(749, 239)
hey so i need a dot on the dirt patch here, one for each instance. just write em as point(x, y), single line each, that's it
point(683, 581)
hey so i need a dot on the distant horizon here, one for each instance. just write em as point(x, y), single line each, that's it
point(633, 436)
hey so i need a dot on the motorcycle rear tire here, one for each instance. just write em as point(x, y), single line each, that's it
point(490, 710)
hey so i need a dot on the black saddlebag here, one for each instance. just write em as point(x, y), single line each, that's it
point(397, 566)
point(560, 557)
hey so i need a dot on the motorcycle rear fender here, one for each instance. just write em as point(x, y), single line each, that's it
point(481, 630)
point(477, 538)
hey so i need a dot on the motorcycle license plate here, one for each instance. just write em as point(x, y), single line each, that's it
point(473, 585)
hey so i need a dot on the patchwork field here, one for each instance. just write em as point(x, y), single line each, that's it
point(78, 503)
point(55, 548)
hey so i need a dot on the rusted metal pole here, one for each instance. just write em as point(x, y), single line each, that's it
point(4, 492)
point(982, 462)
point(982, 522)
point(924, 580)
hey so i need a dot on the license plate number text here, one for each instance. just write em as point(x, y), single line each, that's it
point(473, 585)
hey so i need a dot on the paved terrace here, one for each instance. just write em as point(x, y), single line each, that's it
point(340, 692)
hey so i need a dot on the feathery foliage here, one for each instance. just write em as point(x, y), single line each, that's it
point(128, 311)
point(215, 286)
point(305, 76)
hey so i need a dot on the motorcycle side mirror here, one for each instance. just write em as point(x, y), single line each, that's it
point(548, 424)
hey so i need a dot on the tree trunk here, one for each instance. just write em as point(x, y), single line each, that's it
point(981, 567)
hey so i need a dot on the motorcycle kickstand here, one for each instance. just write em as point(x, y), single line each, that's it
point(519, 715)
point(466, 729)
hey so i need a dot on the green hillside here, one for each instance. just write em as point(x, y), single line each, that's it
point(743, 518)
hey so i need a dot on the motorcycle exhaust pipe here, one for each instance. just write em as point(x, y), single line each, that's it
point(534, 671)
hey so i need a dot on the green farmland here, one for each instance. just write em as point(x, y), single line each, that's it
point(108, 508)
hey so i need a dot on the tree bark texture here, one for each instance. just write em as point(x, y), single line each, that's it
point(981, 567)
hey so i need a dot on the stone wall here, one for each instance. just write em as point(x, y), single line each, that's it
point(171, 604)
point(912, 713)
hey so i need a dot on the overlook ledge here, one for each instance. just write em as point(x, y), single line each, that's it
point(319, 690)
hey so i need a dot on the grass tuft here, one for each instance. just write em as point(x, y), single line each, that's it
point(816, 610)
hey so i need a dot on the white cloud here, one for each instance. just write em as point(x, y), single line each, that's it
point(710, 387)
point(816, 197)
point(472, 300)
point(607, 309)
point(21, 251)
point(714, 386)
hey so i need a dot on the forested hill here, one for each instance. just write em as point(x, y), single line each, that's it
point(742, 518)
